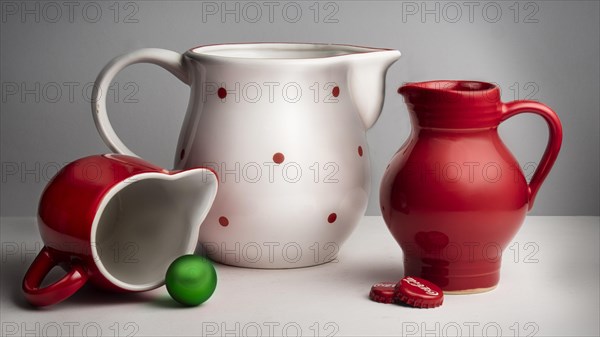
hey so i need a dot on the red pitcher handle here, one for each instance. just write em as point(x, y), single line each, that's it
point(56, 292)
point(554, 139)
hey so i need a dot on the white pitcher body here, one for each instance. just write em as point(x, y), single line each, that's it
point(284, 127)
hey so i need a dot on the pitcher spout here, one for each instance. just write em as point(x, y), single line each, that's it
point(366, 79)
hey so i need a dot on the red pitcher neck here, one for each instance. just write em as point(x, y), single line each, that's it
point(453, 104)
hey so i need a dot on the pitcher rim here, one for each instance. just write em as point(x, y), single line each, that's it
point(113, 190)
point(345, 51)
point(460, 87)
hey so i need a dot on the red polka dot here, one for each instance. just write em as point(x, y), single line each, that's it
point(278, 158)
point(223, 221)
point(336, 91)
point(360, 151)
point(332, 217)
point(222, 93)
point(182, 154)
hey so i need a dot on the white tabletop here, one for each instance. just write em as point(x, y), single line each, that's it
point(549, 286)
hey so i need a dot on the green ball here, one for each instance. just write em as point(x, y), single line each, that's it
point(191, 280)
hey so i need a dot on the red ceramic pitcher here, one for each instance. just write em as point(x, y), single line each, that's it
point(118, 222)
point(454, 196)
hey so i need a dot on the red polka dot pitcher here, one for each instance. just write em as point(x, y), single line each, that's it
point(283, 125)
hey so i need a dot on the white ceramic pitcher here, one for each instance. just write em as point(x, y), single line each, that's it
point(283, 125)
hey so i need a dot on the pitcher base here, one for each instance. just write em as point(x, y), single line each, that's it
point(469, 291)
point(271, 265)
point(456, 278)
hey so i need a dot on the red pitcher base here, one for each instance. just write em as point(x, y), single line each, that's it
point(461, 277)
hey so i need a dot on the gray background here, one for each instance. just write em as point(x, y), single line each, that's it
point(545, 50)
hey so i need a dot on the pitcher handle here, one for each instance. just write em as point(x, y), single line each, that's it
point(169, 60)
point(554, 139)
point(56, 292)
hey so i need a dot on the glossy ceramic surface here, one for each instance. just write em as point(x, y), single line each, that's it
point(118, 222)
point(283, 125)
point(454, 196)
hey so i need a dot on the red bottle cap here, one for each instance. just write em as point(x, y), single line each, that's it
point(383, 292)
point(418, 292)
